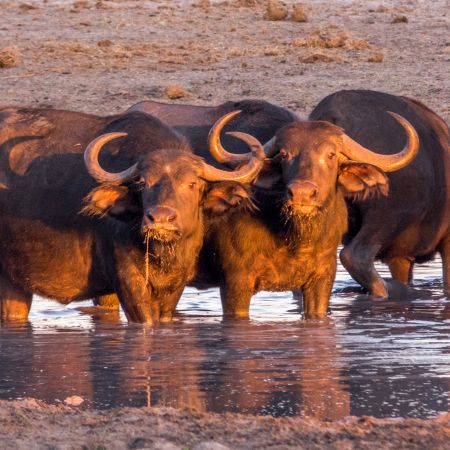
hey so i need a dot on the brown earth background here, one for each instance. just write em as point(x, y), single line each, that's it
point(101, 57)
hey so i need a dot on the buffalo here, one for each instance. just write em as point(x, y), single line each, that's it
point(291, 240)
point(412, 224)
point(76, 227)
point(258, 118)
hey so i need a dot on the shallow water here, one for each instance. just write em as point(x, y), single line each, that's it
point(372, 357)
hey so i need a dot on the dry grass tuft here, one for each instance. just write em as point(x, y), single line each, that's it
point(175, 91)
point(298, 13)
point(202, 4)
point(376, 58)
point(319, 57)
point(331, 38)
point(9, 57)
point(276, 10)
point(81, 4)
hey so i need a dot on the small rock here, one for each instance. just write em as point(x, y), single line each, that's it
point(276, 11)
point(105, 43)
point(74, 400)
point(9, 57)
point(400, 19)
point(376, 58)
point(298, 13)
point(175, 91)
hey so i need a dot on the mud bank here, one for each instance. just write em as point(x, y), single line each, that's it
point(31, 424)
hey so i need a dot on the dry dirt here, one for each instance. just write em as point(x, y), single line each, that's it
point(103, 56)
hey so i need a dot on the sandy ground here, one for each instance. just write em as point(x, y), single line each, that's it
point(103, 56)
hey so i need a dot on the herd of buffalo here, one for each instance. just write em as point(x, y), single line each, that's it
point(244, 196)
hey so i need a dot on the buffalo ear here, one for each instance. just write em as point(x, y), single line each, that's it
point(360, 181)
point(225, 195)
point(109, 200)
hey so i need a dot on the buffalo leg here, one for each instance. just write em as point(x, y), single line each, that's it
point(134, 294)
point(401, 269)
point(235, 299)
point(15, 303)
point(135, 299)
point(358, 258)
point(168, 305)
point(444, 250)
point(107, 302)
point(317, 292)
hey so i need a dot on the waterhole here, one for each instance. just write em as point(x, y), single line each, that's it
point(372, 357)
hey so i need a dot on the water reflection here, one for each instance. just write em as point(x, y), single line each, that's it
point(383, 358)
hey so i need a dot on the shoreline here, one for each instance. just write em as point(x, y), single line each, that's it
point(22, 427)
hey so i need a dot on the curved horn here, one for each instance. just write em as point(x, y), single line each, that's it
point(245, 174)
point(269, 147)
point(215, 146)
point(93, 166)
point(388, 163)
point(225, 157)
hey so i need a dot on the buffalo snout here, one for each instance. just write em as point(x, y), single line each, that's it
point(302, 192)
point(160, 218)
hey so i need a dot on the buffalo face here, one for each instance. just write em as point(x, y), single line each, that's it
point(168, 188)
point(171, 191)
point(316, 159)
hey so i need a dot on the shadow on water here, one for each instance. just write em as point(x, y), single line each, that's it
point(372, 357)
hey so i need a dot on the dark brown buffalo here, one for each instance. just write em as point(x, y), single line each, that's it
point(413, 222)
point(258, 118)
point(48, 247)
point(291, 240)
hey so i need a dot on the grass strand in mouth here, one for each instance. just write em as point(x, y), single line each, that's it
point(147, 257)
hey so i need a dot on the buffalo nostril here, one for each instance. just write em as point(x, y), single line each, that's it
point(290, 193)
point(171, 217)
point(150, 217)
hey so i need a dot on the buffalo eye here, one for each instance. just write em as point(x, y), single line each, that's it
point(283, 154)
point(192, 184)
point(140, 184)
point(331, 155)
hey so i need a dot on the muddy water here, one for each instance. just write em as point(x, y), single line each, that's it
point(381, 358)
